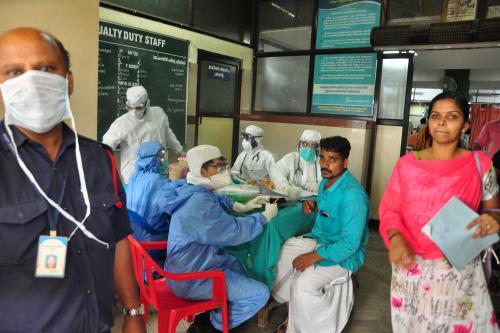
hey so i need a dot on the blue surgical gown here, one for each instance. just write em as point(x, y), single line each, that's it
point(200, 225)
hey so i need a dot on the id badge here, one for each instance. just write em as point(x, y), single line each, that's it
point(51, 257)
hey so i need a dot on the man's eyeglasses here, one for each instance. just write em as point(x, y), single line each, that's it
point(219, 166)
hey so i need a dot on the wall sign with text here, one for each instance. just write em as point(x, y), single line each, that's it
point(344, 84)
point(346, 23)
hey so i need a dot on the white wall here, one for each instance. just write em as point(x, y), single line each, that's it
point(75, 23)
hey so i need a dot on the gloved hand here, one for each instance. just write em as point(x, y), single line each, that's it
point(293, 191)
point(312, 186)
point(270, 211)
point(251, 204)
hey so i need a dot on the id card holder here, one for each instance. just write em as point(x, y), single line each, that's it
point(51, 257)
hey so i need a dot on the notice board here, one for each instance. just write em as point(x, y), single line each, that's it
point(344, 84)
point(346, 23)
point(128, 57)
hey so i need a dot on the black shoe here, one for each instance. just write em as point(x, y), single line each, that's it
point(202, 324)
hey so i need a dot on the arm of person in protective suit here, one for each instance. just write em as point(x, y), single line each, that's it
point(225, 202)
point(237, 164)
point(217, 227)
point(171, 140)
point(114, 136)
point(353, 218)
point(269, 163)
point(280, 174)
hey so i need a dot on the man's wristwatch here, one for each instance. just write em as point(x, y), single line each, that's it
point(134, 312)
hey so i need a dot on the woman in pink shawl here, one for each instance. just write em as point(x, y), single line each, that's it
point(427, 294)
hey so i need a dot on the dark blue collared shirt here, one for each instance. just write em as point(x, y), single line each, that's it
point(82, 300)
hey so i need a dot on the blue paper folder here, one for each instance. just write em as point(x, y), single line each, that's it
point(447, 230)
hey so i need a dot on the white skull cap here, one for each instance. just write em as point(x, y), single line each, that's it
point(198, 155)
point(254, 130)
point(136, 96)
point(310, 135)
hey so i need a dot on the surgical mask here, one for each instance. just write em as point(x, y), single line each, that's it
point(307, 154)
point(138, 113)
point(36, 84)
point(221, 179)
point(214, 182)
point(247, 145)
point(36, 100)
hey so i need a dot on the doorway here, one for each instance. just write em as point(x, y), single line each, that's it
point(218, 102)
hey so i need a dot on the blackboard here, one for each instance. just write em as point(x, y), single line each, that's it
point(129, 57)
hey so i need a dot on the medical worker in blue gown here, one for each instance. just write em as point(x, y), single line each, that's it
point(201, 223)
point(146, 192)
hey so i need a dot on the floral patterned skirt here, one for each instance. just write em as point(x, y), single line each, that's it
point(433, 297)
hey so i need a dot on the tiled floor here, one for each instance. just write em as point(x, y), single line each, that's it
point(371, 311)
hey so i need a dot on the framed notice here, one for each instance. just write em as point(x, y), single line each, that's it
point(344, 84)
point(346, 23)
point(459, 10)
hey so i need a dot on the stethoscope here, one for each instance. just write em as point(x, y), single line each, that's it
point(299, 169)
point(255, 158)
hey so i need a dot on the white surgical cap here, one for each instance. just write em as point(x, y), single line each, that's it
point(254, 130)
point(136, 96)
point(310, 135)
point(200, 154)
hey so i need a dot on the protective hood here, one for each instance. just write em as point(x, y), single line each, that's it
point(136, 96)
point(149, 157)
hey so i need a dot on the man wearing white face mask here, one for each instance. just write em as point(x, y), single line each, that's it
point(254, 162)
point(200, 225)
point(141, 123)
point(60, 192)
point(299, 169)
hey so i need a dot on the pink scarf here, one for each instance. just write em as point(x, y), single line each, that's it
point(418, 189)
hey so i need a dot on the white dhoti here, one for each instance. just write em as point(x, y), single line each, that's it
point(321, 297)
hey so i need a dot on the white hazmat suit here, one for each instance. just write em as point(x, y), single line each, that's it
point(133, 128)
point(292, 173)
point(254, 162)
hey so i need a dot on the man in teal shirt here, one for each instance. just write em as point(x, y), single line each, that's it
point(314, 270)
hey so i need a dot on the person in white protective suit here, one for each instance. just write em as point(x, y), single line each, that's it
point(141, 123)
point(254, 162)
point(299, 169)
point(314, 270)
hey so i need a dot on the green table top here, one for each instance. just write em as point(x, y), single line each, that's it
point(260, 256)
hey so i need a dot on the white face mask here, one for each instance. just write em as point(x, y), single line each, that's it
point(36, 84)
point(138, 113)
point(36, 100)
point(247, 145)
point(214, 182)
point(221, 179)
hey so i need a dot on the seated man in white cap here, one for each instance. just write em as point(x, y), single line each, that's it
point(254, 162)
point(200, 226)
point(141, 123)
point(299, 169)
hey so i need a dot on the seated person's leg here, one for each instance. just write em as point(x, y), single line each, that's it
point(292, 248)
point(321, 300)
point(245, 298)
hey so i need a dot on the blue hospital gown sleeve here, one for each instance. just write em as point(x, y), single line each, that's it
point(216, 227)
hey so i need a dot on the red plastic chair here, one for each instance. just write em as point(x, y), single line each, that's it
point(170, 308)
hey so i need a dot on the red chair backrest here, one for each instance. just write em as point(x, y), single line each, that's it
point(144, 266)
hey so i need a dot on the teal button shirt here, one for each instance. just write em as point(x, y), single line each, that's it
point(341, 223)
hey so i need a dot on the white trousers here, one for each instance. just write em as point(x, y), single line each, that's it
point(321, 297)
